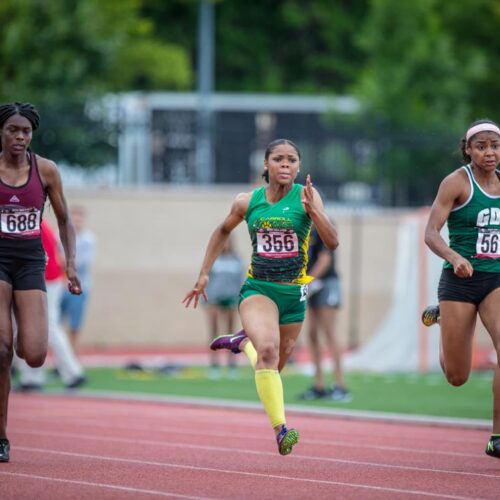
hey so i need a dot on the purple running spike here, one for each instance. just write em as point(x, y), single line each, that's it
point(231, 342)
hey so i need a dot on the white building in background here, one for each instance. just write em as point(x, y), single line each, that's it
point(158, 131)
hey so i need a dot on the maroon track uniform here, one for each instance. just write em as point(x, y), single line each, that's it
point(22, 258)
point(21, 207)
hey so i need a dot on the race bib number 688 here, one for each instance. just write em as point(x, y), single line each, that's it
point(23, 222)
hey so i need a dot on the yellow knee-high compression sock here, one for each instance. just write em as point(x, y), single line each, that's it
point(270, 391)
point(251, 353)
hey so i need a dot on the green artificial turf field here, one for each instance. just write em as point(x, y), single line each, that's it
point(419, 394)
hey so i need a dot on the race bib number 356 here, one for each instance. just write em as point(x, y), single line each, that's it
point(20, 223)
point(277, 244)
point(488, 244)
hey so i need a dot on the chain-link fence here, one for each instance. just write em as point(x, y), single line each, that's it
point(351, 158)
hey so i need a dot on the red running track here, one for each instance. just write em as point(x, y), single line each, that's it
point(83, 448)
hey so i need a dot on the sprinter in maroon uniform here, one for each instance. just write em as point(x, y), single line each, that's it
point(25, 182)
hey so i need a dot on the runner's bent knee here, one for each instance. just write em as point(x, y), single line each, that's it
point(35, 359)
point(268, 354)
point(456, 379)
point(32, 345)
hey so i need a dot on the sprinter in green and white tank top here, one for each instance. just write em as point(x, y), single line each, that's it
point(474, 227)
point(469, 201)
point(273, 297)
point(280, 237)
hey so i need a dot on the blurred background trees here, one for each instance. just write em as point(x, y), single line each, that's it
point(64, 53)
point(421, 70)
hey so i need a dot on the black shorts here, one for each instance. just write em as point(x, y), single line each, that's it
point(473, 290)
point(327, 296)
point(22, 264)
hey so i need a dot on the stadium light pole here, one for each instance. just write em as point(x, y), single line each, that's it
point(205, 79)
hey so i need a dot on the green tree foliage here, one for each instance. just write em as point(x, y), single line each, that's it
point(413, 74)
point(175, 21)
point(77, 47)
point(473, 25)
point(428, 74)
point(303, 46)
point(423, 69)
point(59, 54)
point(298, 46)
point(132, 68)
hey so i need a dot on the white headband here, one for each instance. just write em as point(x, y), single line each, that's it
point(482, 127)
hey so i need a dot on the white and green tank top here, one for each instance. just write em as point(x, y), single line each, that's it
point(474, 228)
point(280, 237)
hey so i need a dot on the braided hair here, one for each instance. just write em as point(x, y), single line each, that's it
point(19, 108)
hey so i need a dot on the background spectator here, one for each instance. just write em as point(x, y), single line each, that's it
point(223, 289)
point(67, 364)
point(74, 307)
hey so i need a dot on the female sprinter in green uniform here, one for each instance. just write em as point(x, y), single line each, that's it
point(469, 200)
point(273, 298)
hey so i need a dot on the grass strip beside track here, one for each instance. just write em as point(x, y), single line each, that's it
point(410, 394)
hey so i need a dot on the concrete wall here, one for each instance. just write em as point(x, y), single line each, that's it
point(150, 246)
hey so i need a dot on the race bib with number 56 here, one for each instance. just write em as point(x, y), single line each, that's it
point(488, 244)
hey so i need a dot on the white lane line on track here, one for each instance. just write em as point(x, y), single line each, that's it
point(97, 421)
point(212, 415)
point(375, 416)
point(295, 456)
point(245, 473)
point(178, 431)
point(101, 485)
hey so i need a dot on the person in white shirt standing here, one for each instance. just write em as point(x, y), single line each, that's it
point(73, 311)
point(69, 368)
